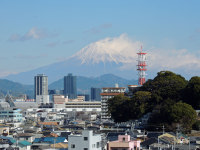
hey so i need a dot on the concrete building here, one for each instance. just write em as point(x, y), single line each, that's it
point(86, 141)
point(24, 137)
point(41, 89)
point(86, 96)
point(11, 115)
point(72, 107)
point(59, 101)
point(70, 88)
point(95, 94)
point(4, 130)
point(107, 93)
point(83, 106)
point(124, 142)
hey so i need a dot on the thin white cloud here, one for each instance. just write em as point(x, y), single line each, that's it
point(68, 42)
point(173, 59)
point(14, 37)
point(124, 50)
point(6, 73)
point(99, 29)
point(33, 33)
point(52, 44)
point(22, 56)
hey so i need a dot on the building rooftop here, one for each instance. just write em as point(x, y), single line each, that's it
point(114, 88)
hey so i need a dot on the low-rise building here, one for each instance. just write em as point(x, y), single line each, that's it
point(59, 101)
point(83, 106)
point(11, 115)
point(124, 142)
point(4, 130)
point(25, 137)
point(86, 141)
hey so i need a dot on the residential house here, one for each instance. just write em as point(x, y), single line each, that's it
point(86, 141)
point(24, 145)
point(124, 142)
point(25, 137)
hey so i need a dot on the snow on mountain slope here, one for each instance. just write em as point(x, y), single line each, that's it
point(119, 50)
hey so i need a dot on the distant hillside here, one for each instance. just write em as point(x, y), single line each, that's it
point(85, 83)
point(14, 88)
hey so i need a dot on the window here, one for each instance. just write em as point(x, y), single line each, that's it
point(98, 144)
point(72, 145)
point(124, 139)
point(85, 149)
point(85, 138)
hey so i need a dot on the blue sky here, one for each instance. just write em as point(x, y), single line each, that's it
point(37, 33)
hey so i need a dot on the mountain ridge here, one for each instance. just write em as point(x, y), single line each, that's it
point(83, 84)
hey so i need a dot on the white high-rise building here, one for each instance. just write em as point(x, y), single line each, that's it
point(41, 89)
point(107, 93)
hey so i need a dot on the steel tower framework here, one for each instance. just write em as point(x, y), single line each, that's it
point(141, 67)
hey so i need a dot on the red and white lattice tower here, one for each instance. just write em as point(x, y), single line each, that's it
point(141, 67)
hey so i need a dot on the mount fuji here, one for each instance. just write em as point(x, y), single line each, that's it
point(108, 56)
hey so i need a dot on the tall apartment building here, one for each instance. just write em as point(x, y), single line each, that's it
point(41, 89)
point(95, 94)
point(107, 93)
point(70, 88)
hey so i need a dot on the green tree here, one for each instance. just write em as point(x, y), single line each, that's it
point(192, 92)
point(118, 108)
point(184, 114)
point(122, 108)
point(172, 115)
point(196, 125)
point(165, 85)
point(140, 104)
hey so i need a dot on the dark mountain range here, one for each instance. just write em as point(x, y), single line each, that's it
point(83, 84)
point(14, 88)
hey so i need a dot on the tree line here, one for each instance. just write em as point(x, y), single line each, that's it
point(169, 97)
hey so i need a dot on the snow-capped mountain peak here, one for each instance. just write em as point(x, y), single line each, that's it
point(119, 50)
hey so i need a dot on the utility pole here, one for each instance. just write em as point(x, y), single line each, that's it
point(163, 129)
point(189, 143)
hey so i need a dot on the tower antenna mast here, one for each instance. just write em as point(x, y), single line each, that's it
point(141, 67)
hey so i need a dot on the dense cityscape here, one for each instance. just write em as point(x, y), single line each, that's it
point(149, 115)
point(99, 75)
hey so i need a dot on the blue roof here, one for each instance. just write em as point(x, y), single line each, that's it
point(12, 141)
point(50, 140)
point(37, 140)
point(5, 137)
point(24, 143)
